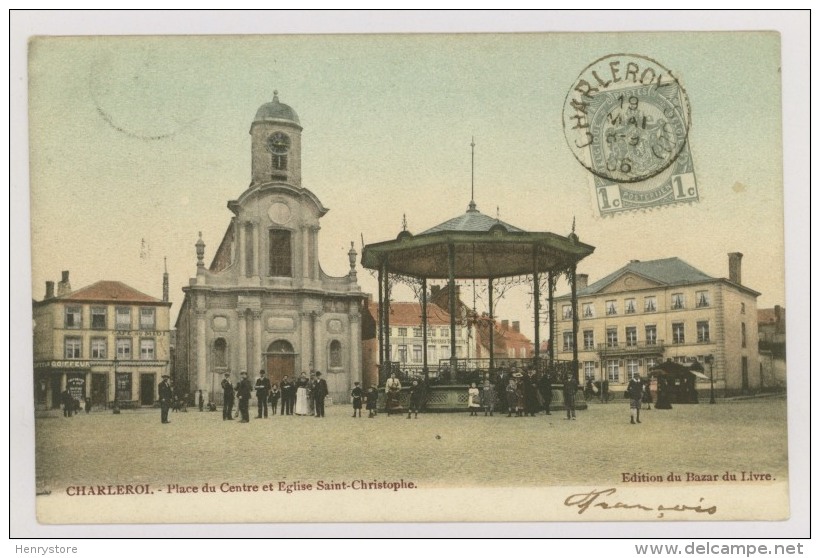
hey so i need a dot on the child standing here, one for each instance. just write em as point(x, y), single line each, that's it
point(415, 399)
point(274, 396)
point(372, 399)
point(356, 395)
point(488, 398)
point(472, 400)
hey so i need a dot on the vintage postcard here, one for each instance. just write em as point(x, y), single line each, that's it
point(408, 278)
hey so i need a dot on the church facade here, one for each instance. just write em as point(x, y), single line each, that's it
point(264, 302)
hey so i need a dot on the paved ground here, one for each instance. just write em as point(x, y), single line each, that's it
point(452, 449)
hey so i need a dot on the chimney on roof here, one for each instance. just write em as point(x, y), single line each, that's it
point(165, 282)
point(49, 289)
point(505, 324)
point(581, 280)
point(517, 327)
point(734, 267)
point(434, 289)
point(64, 286)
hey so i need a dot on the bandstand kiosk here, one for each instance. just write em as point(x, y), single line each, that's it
point(474, 246)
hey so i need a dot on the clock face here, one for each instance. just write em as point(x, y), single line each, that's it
point(278, 143)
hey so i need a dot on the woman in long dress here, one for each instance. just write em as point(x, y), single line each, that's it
point(302, 395)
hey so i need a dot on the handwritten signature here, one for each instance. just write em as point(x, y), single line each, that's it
point(599, 499)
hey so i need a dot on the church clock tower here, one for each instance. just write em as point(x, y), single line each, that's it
point(276, 144)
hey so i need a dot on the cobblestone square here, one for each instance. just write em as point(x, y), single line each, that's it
point(452, 449)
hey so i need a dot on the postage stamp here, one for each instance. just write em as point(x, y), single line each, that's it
point(329, 278)
point(627, 120)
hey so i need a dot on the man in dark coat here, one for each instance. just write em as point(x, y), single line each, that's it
point(227, 397)
point(570, 389)
point(288, 392)
point(166, 395)
point(501, 390)
point(531, 405)
point(545, 389)
point(319, 393)
point(262, 388)
point(68, 403)
point(243, 394)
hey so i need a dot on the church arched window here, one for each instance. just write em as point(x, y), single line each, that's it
point(335, 354)
point(220, 353)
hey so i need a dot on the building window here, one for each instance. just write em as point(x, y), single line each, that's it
point(612, 337)
point(445, 332)
point(703, 332)
point(148, 318)
point(611, 310)
point(743, 334)
point(74, 317)
point(678, 301)
point(335, 354)
point(588, 310)
point(566, 311)
point(742, 307)
point(279, 163)
point(123, 318)
point(631, 336)
point(147, 349)
point(403, 353)
point(73, 347)
point(678, 336)
point(651, 335)
point(567, 340)
point(98, 317)
point(431, 353)
point(445, 351)
point(632, 368)
point(702, 299)
point(650, 304)
point(589, 370)
point(220, 353)
point(431, 331)
point(650, 364)
point(99, 347)
point(416, 332)
point(613, 371)
point(416, 353)
point(589, 340)
point(280, 260)
point(629, 306)
point(511, 352)
point(124, 348)
point(402, 332)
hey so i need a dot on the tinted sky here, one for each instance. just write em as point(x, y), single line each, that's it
point(138, 143)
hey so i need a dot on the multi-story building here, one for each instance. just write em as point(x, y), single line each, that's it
point(508, 341)
point(648, 312)
point(264, 302)
point(406, 344)
point(106, 342)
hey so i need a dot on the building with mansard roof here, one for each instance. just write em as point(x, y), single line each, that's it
point(264, 302)
point(106, 342)
point(648, 312)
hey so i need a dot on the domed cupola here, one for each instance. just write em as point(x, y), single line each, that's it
point(276, 144)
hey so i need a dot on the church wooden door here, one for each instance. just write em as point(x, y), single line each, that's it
point(279, 366)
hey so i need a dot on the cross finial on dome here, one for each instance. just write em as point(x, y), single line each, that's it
point(404, 221)
point(276, 95)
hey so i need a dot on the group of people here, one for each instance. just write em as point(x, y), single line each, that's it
point(71, 405)
point(305, 397)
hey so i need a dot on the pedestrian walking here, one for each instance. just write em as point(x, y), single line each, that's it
point(262, 388)
point(166, 395)
point(68, 403)
point(243, 394)
point(488, 397)
point(227, 397)
point(356, 395)
point(320, 391)
point(570, 390)
point(372, 397)
point(635, 391)
point(473, 402)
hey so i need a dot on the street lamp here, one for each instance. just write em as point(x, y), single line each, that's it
point(710, 360)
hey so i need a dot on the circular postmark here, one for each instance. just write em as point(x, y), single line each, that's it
point(626, 118)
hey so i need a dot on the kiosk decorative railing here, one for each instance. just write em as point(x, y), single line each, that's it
point(468, 370)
